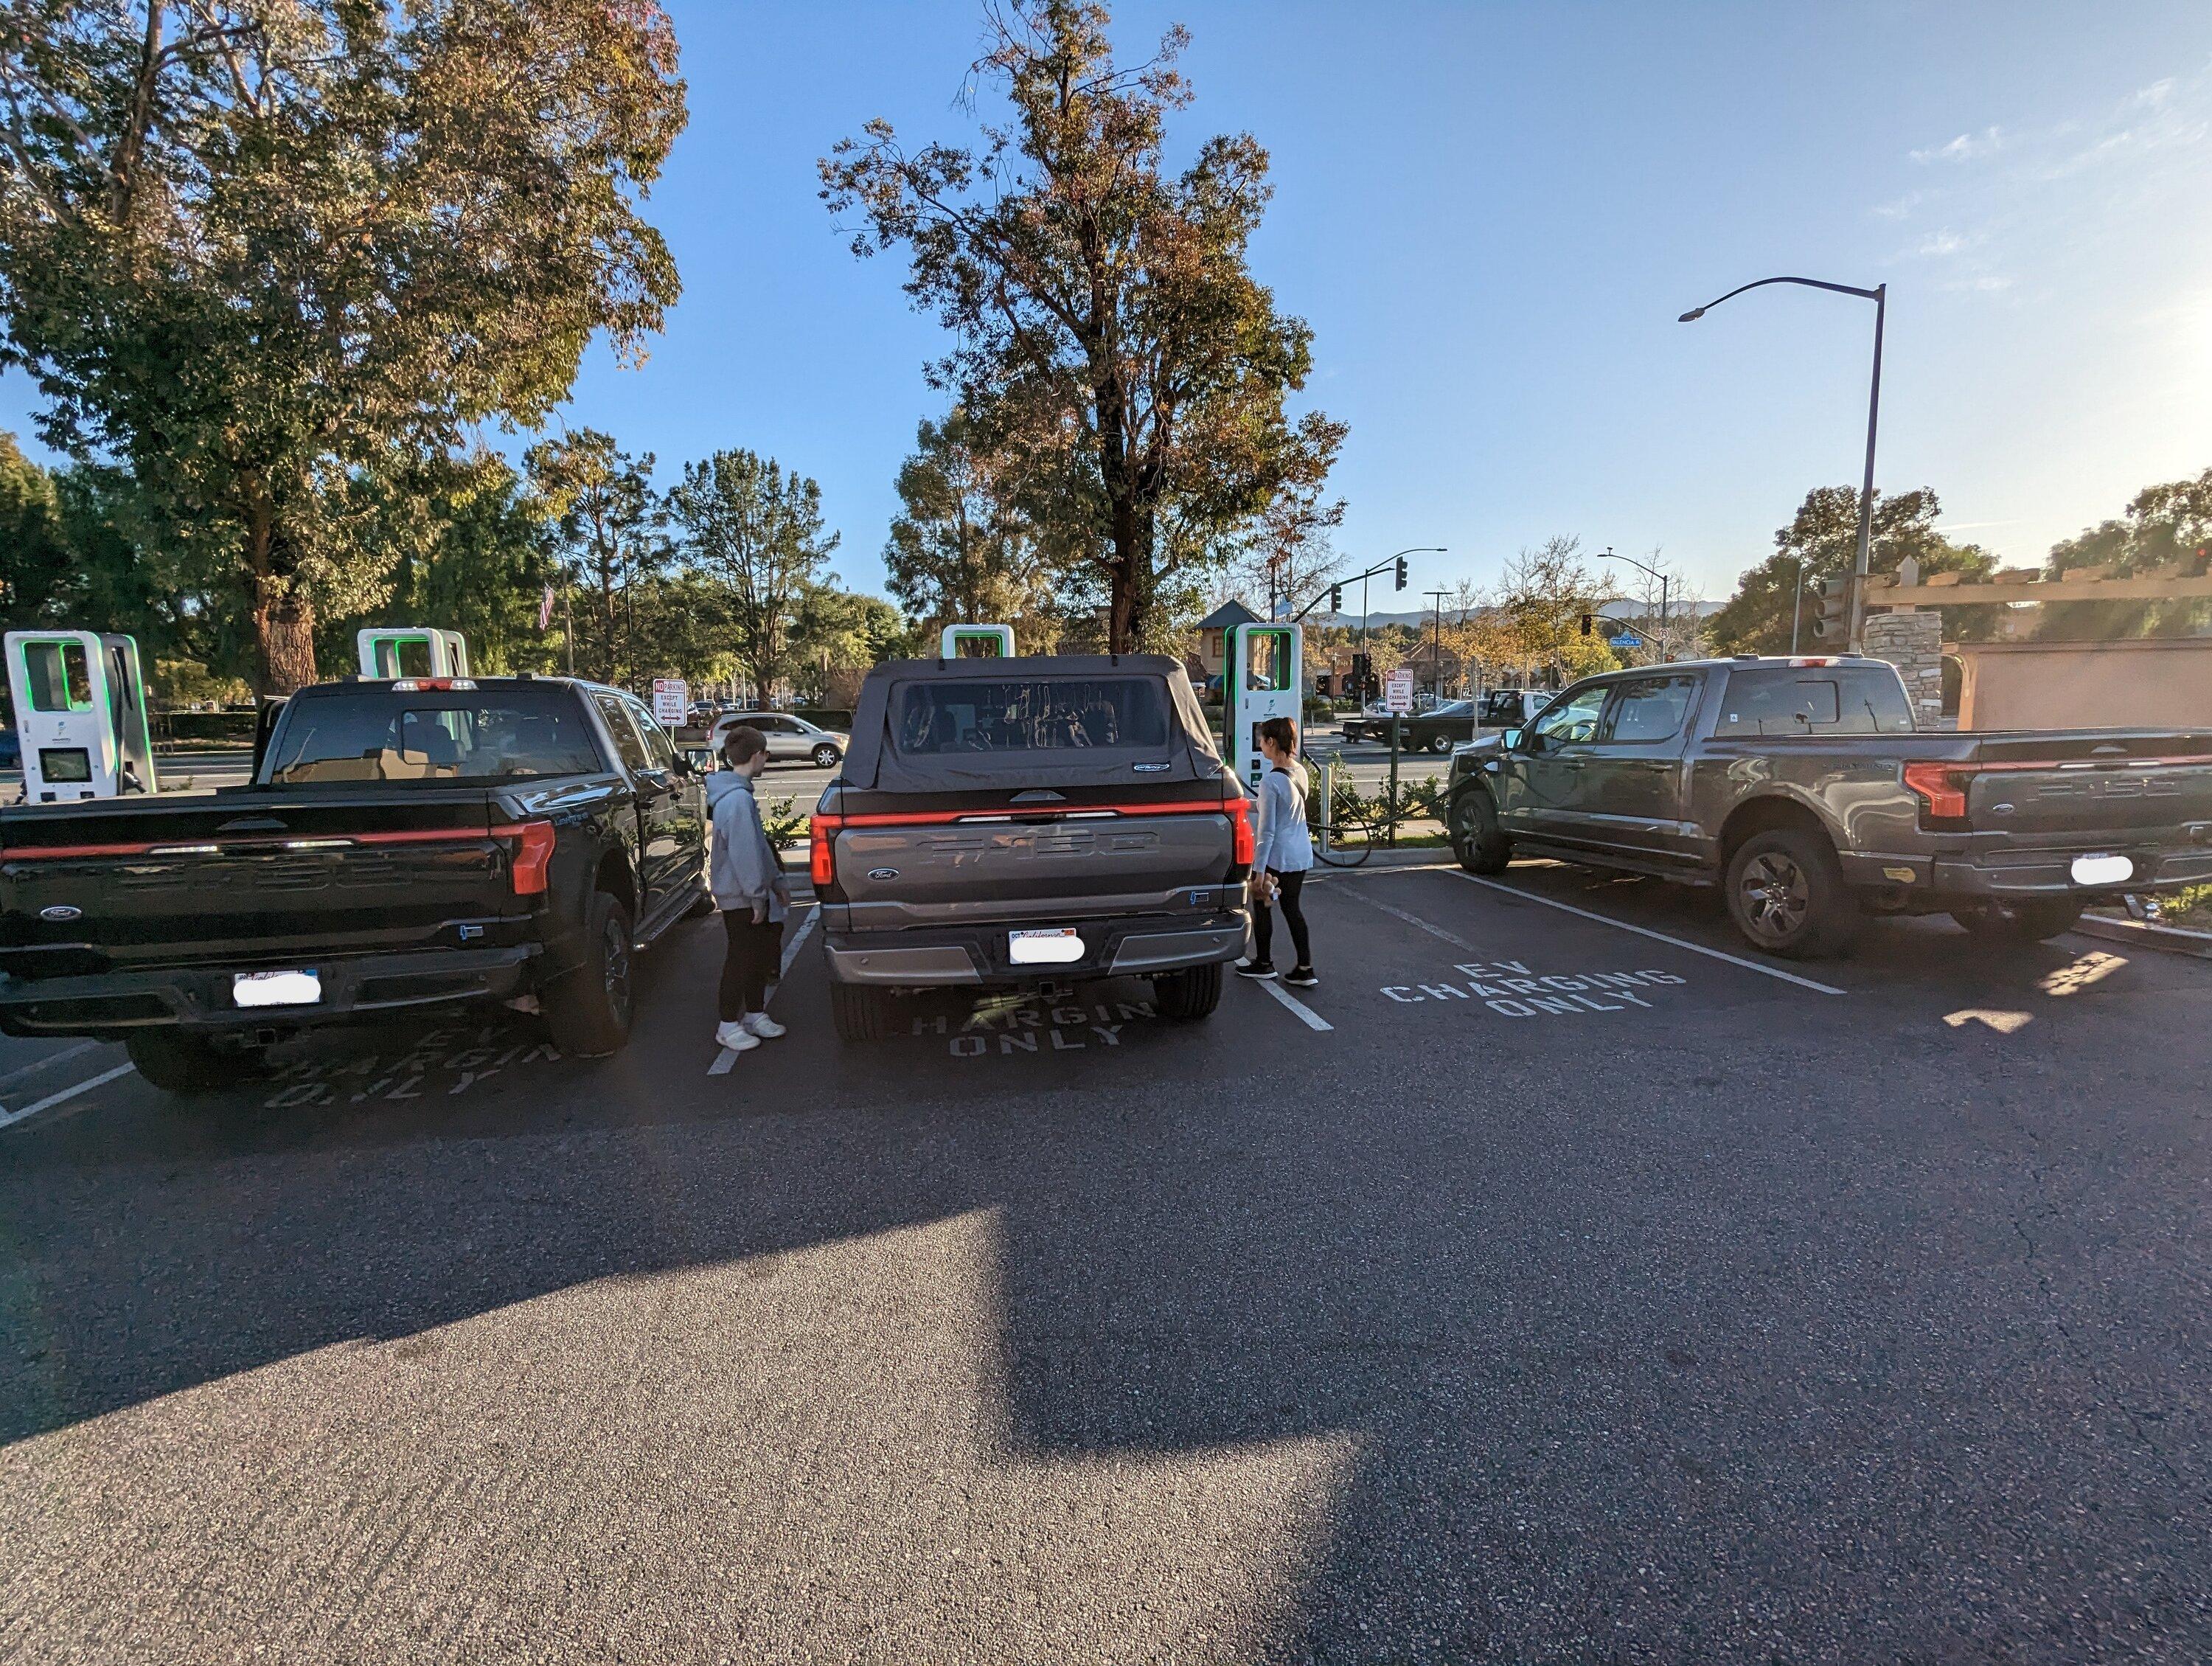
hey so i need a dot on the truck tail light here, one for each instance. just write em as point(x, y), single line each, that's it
point(533, 856)
point(1241, 847)
point(1941, 788)
point(821, 849)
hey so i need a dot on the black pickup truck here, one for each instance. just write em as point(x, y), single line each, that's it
point(402, 845)
point(1802, 788)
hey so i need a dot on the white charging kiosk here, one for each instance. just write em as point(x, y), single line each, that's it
point(412, 651)
point(79, 704)
point(1262, 672)
point(976, 641)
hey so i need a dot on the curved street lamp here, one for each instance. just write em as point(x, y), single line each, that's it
point(1880, 295)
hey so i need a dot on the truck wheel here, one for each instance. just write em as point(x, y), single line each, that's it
point(1787, 894)
point(1475, 839)
point(862, 1013)
point(1440, 744)
point(2036, 922)
point(177, 1062)
point(1190, 994)
point(825, 755)
point(589, 1010)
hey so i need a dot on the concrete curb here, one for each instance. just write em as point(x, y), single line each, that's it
point(1414, 858)
point(2169, 940)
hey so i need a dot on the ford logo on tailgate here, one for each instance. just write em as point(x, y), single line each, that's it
point(61, 911)
point(883, 873)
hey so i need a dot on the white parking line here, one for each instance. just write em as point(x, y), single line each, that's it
point(9, 1119)
point(1641, 931)
point(727, 1056)
point(48, 1062)
point(1313, 1019)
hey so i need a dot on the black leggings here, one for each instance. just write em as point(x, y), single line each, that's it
point(1263, 920)
point(750, 966)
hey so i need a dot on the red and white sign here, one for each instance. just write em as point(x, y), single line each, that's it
point(1398, 693)
point(672, 700)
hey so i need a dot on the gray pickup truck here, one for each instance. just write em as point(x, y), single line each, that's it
point(1029, 823)
point(1803, 788)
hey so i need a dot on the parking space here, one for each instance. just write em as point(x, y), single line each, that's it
point(1557, 1269)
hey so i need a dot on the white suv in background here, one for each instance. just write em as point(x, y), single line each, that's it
point(790, 739)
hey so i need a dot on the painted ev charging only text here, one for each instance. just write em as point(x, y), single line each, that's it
point(1513, 989)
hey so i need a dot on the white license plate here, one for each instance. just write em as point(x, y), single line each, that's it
point(2102, 870)
point(1045, 948)
point(276, 988)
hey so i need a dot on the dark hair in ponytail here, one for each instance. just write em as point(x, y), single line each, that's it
point(1283, 733)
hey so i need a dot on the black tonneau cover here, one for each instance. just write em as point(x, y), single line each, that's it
point(873, 762)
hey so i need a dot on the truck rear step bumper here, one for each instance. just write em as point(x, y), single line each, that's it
point(976, 955)
point(2001, 874)
point(358, 989)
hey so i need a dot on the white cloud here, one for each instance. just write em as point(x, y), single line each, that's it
point(1942, 243)
point(1965, 148)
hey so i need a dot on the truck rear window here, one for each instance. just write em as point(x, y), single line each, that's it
point(1788, 701)
point(381, 736)
point(1029, 714)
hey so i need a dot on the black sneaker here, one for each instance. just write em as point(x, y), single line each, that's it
point(1260, 969)
point(1301, 976)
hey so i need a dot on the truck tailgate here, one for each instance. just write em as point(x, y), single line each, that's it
point(2063, 787)
point(258, 875)
point(914, 868)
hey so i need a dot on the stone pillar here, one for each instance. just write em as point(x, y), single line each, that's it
point(1913, 642)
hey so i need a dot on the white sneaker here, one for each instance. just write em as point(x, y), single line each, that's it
point(762, 1026)
point(735, 1036)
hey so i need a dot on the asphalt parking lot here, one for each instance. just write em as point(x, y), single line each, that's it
point(1558, 1281)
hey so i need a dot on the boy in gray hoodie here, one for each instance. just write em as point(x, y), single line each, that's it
point(749, 888)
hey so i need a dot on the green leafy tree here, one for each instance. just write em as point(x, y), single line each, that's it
point(254, 250)
point(605, 518)
point(476, 556)
point(756, 535)
point(1101, 308)
point(1822, 540)
point(34, 558)
point(2166, 531)
point(963, 549)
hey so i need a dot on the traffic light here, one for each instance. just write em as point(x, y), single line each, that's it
point(1402, 572)
point(1586, 622)
point(1336, 599)
point(1832, 609)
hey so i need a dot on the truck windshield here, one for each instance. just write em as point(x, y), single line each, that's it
point(1837, 700)
point(1029, 714)
point(375, 734)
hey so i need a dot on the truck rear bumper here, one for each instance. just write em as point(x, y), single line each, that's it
point(359, 989)
point(1999, 874)
point(950, 957)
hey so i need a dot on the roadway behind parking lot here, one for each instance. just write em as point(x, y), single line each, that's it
point(1558, 1280)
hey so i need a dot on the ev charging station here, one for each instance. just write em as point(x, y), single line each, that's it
point(1262, 676)
point(976, 641)
point(80, 715)
point(412, 651)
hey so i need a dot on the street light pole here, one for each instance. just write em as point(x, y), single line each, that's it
point(1880, 295)
point(1437, 645)
point(1655, 573)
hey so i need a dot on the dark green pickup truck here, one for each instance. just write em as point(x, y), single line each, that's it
point(1803, 789)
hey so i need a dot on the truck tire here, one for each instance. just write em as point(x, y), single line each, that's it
point(589, 1010)
point(1787, 894)
point(1441, 743)
point(860, 1013)
point(178, 1062)
point(1190, 994)
point(2036, 922)
point(1475, 838)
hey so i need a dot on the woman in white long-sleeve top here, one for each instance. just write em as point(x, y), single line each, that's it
point(1282, 854)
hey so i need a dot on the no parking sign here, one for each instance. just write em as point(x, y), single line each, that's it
point(672, 700)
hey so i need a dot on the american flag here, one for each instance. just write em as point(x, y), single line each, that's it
point(545, 609)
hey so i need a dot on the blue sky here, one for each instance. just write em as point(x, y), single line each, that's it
point(1491, 215)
